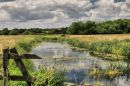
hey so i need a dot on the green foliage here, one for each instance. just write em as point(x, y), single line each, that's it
point(120, 49)
point(111, 71)
point(108, 27)
point(32, 31)
point(5, 31)
point(27, 32)
point(43, 77)
point(51, 77)
point(82, 28)
point(14, 32)
point(74, 28)
point(25, 46)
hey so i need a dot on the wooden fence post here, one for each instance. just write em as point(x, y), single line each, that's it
point(5, 65)
point(13, 54)
point(22, 67)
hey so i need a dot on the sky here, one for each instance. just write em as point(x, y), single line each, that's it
point(59, 13)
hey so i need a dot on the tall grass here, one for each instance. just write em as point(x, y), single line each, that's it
point(111, 72)
point(51, 77)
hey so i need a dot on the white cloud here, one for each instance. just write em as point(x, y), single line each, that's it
point(49, 13)
point(4, 15)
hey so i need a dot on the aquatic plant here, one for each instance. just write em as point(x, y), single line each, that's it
point(111, 71)
point(49, 77)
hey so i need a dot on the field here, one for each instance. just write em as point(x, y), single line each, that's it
point(101, 37)
point(10, 41)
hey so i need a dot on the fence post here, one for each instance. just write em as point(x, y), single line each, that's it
point(22, 67)
point(13, 54)
point(5, 65)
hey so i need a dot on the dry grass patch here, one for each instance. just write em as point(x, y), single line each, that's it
point(100, 37)
point(10, 41)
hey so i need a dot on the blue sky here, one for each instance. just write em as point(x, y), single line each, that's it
point(59, 13)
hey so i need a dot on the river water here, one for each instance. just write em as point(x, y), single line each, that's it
point(76, 63)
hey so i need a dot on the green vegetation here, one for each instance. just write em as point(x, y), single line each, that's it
point(32, 31)
point(111, 71)
point(43, 77)
point(107, 49)
point(119, 26)
point(50, 77)
point(115, 49)
point(5, 31)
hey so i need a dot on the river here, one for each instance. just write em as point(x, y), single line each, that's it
point(76, 63)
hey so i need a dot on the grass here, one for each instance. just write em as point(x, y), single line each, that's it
point(92, 38)
point(111, 71)
point(11, 41)
point(114, 45)
point(52, 77)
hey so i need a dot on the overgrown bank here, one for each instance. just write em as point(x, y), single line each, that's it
point(114, 48)
point(107, 49)
point(44, 76)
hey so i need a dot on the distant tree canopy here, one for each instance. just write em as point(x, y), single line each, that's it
point(5, 31)
point(108, 27)
point(27, 32)
point(14, 32)
point(119, 26)
point(32, 31)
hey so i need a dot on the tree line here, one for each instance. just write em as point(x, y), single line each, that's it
point(119, 26)
point(32, 31)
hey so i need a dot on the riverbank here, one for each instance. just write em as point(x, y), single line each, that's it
point(113, 47)
point(116, 48)
point(111, 72)
point(24, 44)
point(110, 47)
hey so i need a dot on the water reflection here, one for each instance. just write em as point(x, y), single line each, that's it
point(76, 63)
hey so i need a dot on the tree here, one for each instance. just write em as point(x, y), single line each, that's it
point(27, 33)
point(90, 27)
point(74, 28)
point(0, 32)
point(14, 32)
point(81, 28)
point(5, 31)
